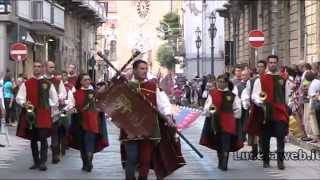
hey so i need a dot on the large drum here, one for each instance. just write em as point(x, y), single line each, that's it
point(128, 110)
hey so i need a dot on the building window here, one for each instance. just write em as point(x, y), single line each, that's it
point(5, 6)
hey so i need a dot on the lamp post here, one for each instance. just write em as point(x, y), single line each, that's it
point(198, 45)
point(212, 32)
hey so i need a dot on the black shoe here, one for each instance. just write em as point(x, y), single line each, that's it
point(219, 159)
point(254, 152)
point(89, 165)
point(224, 161)
point(42, 167)
point(266, 164)
point(1, 145)
point(280, 165)
point(34, 166)
point(55, 160)
point(142, 178)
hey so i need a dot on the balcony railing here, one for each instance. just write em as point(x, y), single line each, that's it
point(58, 16)
point(95, 6)
point(24, 9)
point(41, 11)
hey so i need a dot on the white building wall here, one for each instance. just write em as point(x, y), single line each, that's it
point(193, 15)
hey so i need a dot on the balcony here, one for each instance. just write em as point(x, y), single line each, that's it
point(43, 14)
point(90, 9)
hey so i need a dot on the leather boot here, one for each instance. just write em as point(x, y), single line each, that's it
point(266, 164)
point(84, 161)
point(35, 156)
point(224, 161)
point(43, 156)
point(142, 178)
point(89, 158)
point(55, 155)
point(254, 152)
point(280, 158)
point(219, 159)
point(280, 164)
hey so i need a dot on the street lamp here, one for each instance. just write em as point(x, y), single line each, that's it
point(198, 45)
point(212, 32)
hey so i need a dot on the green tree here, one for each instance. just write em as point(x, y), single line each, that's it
point(165, 56)
point(171, 25)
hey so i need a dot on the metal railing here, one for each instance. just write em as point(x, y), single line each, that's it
point(41, 11)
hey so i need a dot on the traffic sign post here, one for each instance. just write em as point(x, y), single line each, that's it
point(256, 38)
point(18, 52)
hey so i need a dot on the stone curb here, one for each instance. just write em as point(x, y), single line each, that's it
point(303, 144)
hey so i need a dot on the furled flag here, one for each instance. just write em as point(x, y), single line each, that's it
point(185, 116)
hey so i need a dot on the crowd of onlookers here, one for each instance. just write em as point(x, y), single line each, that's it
point(8, 90)
point(302, 95)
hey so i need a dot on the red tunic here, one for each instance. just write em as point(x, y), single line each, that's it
point(226, 121)
point(89, 118)
point(72, 81)
point(226, 116)
point(279, 109)
point(43, 116)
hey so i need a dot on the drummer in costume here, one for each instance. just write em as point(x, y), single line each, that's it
point(252, 125)
point(269, 93)
point(56, 126)
point(37, 95)
point(161, 151)
point(87, 131)
point(222, 108)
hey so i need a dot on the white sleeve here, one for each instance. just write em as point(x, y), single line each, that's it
point(237, 107)
point(53, 97)
point(62, 91)
point(255, 93)
point(245, 98)
point(313, 88)
point(207, 104)
point(163, 102)
point(21, 97)
point(235, 90)
point(70, 102)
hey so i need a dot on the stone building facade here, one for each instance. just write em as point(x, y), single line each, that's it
point(60, 31)
point(291, 28)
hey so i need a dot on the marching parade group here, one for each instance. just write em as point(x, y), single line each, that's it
point(65, 107)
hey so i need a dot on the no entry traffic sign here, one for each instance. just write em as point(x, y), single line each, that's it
point(18, 52)
point(256, 38)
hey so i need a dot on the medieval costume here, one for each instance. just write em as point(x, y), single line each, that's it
point(219, 130)
point(58, 128)
point(162, 150)
point(35, 122)
point(275, 121)
point(239, 91)
point(71, 81)
point(255, 119)
point(88, 130)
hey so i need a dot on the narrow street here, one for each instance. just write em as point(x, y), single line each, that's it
point(16, 159)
